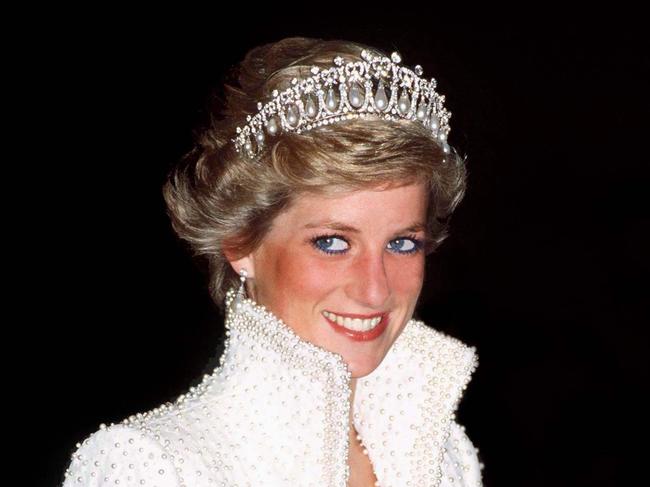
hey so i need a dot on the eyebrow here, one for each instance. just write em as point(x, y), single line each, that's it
point(344, 227)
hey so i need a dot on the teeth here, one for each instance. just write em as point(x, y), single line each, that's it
point(355, 324)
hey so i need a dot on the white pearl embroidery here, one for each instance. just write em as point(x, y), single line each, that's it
point(276, 411)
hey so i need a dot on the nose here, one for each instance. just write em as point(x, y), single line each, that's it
point(369, 283)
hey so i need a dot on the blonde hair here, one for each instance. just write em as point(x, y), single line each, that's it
point(221, 202)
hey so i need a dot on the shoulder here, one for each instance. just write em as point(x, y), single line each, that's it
point(162, 448)
point(461, 466)
point(120, 454)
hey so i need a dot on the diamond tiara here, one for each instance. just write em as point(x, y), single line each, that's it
point(345, 91)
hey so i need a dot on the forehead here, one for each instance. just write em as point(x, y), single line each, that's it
point(389, 205)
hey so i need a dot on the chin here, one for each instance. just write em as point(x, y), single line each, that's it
point(362, 368)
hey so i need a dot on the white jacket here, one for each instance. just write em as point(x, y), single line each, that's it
point(276, 413)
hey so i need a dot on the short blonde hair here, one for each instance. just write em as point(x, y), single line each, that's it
point(221, 202)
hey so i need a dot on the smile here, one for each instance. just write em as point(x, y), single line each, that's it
point(356, 324)
point(357, 327)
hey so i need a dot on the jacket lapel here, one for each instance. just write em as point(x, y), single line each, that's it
point(297, 400)
point(403, 409)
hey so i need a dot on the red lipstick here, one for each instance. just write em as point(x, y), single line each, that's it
point(361, 336)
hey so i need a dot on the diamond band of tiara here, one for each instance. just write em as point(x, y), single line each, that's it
point(345, 91)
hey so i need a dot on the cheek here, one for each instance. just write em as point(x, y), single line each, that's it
point(406, 275)
point(297, 272)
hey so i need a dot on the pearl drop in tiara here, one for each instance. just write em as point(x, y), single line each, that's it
point(345, 91)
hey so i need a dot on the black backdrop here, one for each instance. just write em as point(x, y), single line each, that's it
point(544, 272)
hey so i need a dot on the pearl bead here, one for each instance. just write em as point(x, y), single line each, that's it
point(381, 100)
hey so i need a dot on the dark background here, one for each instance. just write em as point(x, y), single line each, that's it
point(545, 271)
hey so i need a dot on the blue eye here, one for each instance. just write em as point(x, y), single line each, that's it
point(327, 243)
point(406, 245)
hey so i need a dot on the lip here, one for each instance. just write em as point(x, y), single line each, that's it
point(361, 336)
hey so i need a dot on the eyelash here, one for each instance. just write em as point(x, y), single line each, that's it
point(418, 244)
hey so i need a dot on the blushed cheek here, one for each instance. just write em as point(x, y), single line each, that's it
point(313, 278)
point(407, 278)
point(295, 284)
point(299, 277)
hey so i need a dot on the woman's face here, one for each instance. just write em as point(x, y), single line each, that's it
point(353, 254)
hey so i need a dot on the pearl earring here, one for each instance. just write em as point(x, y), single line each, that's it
point(241, 292)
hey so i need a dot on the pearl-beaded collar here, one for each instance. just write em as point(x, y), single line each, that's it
point(401, 410)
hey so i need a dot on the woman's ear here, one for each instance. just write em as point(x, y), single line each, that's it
point(237, 264)
point(247, 262)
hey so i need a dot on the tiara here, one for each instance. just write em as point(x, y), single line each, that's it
point(346, 91)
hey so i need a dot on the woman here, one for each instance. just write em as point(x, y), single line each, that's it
point(315, 201)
